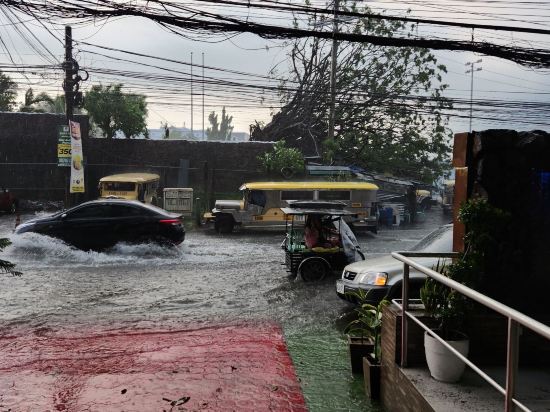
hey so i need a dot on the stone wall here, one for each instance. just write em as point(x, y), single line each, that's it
point(28, 159)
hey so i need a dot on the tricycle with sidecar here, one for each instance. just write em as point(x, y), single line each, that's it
point(318, 241)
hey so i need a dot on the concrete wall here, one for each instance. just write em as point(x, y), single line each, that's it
point(511, 170)
point(28, 159)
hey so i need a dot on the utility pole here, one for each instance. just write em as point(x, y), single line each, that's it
point(333, 72)
point(68, 89)
point(472, 70)
point(68, 84)
point(192, 94)
point(203, 96)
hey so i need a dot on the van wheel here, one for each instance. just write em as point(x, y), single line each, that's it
point(313, 269)
point(224, 224)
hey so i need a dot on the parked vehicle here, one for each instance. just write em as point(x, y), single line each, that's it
point(383, 276)
point(8, 202)
point(262, 202)
point(130, 186)
point(318, 241)
point(423, 199)
point(448, 196)
point(100, 224)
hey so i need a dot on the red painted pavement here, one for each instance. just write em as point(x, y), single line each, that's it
point(226, 368)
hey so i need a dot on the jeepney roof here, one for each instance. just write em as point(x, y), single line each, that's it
point(316, 207)
point(313, 185)
point(131, 177)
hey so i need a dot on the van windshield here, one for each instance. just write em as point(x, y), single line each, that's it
point(119, 186)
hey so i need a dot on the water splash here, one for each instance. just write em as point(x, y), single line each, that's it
point(32, 249)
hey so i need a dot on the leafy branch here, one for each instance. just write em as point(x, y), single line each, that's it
point(6, 266)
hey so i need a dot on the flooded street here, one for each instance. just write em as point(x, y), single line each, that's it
point(207, 280)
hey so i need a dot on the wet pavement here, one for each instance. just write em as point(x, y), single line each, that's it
point(209, 281)
point(240, 368)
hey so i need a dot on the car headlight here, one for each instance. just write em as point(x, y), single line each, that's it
point(373, 278)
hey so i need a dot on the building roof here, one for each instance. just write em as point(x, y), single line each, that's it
point(313, 185)
point(131, 177)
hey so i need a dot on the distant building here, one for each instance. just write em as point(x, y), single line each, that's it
point(175, 133)
point(183, 133)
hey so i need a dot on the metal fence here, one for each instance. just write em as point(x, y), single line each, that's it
point(516, 320)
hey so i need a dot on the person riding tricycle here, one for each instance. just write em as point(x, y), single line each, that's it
point(318, 241)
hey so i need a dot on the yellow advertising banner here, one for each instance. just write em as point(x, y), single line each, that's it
point(77, 159)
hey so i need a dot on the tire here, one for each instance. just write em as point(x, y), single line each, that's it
point(313, 269)
point(224, 224)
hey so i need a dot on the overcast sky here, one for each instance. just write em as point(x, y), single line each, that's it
point(170, 101)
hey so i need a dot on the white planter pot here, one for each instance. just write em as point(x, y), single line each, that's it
point(443, 364)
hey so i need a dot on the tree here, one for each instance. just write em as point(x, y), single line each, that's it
point(113, 110)
point(40, 103)
point(219, 130)
point(58, 105)
point(133, 119)
point(389, 104)
point(282, 160)
point(8, 93)
point(6, 266)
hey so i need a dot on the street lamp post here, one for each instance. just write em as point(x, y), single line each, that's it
point(334, 57)
point(472, 70)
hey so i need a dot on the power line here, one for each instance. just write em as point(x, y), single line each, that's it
point(180, 19)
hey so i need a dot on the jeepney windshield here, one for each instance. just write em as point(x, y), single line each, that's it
point(118, 186)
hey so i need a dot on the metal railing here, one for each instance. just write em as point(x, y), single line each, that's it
point(515, 321)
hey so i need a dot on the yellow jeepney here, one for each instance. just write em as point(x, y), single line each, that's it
point(262, 202)
point(131, 186)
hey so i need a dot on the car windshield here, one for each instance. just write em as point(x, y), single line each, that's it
point(439, 241)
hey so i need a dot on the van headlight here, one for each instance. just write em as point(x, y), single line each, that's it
point(373, 278)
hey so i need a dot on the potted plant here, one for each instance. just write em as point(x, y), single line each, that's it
point(485, 225)
point(448, 308)
point(364, 338)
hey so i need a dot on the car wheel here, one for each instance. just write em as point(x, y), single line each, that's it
point(313, 269)
point(224, 224)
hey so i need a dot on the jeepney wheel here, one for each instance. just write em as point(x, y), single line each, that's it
point(313, 269)
point(224, 224)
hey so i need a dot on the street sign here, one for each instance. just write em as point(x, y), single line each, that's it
point(63, 146)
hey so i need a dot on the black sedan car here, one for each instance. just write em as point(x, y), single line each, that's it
point(100, 224)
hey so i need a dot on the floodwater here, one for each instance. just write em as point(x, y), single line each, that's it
point(209, 279)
